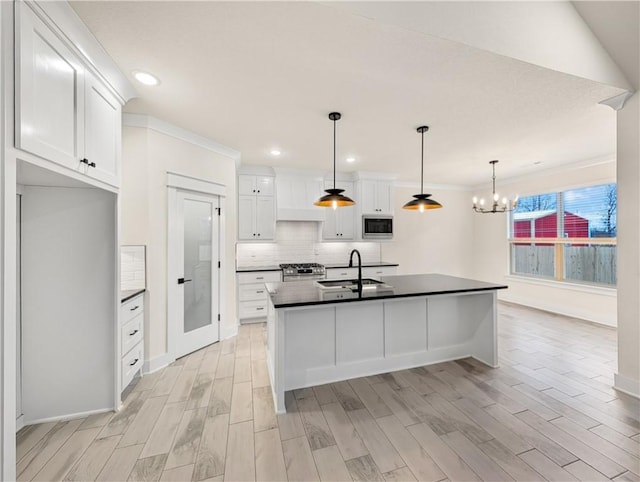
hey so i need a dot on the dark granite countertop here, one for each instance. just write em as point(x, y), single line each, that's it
point(126, 295)
point(306, 293)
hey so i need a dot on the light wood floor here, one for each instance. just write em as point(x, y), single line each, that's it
point(548, 413)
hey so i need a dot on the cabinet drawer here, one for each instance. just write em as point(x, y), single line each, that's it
point(259, 277)
point(132, 308)
point(252, 309)
point(131, 364)
point(378, 271)
point(132, 333)
point(255, 291)
point(342, 273)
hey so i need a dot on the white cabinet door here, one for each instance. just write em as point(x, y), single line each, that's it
point(265, 218)
point(49, 93)
point(102, 133)
point(339, 223)
point(246, 185)
point(264, 186)
point(246, 217)
point(384, 197)
point(376, 197)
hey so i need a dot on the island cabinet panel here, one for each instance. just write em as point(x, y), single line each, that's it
point(310, 340)
point(408, 333)
point(455, 320)
point(359, 333)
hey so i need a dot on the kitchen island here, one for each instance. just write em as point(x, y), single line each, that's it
point(318, 335)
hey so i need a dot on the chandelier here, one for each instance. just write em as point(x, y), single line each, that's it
point(497, 207)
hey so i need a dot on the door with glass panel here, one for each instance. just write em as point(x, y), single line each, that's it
point(194, 279)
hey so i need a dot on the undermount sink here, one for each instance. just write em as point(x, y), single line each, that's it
point(352, 284)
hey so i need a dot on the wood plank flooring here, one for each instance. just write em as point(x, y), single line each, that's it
point(548, 413)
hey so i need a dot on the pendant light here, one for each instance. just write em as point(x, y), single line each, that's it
point(507, 205)
point(334, 197)
point(422, 201)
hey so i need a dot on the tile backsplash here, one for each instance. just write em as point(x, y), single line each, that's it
point(132, 267)
point(300, 242)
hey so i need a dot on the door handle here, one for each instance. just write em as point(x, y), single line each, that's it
point(182, 281)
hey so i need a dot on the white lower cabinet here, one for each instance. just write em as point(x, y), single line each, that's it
point(374, 272)
point(342, 273)
point(132, 339)
point(252, 295)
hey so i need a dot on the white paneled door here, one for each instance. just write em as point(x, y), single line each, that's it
point(194, 273)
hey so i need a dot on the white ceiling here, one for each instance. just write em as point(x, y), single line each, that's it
point(255, 76)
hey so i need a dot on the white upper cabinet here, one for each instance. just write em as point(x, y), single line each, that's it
point(49, 93)
point(251, 185)
point(64, 114)
point(339, 224)
point(102, 133)
point(256, 207)
point(376, 197)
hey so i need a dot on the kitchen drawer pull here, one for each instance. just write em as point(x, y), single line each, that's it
point(133, 332)
point(260, 308)
point(134, 308)
point(260, 291)
point(134, 362)
point(259, 277)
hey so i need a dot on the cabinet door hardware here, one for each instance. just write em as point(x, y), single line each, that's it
point(92, 164)
point(134, 308)
point(134, 362)
point(260, 291)
point(133, 332)
point(259, 308)
point(182, 281)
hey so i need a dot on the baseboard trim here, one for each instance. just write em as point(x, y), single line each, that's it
point(19, 423)
point(582, 315)
point(71, 416)
point(626, 385)
point(228, 331)
point(157, 363)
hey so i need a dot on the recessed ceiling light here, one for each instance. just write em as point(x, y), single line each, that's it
point(275, 152)
point(145, 78)
point(350, 159)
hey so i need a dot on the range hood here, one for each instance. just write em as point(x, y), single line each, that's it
point(295, 195)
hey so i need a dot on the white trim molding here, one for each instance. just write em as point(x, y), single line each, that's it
point(617, 101)
point(154, 364)
point(626, 385)
point(187, 183)
point(153, 123)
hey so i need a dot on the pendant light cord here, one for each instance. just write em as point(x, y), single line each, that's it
point(422, 166)
point(334, 153)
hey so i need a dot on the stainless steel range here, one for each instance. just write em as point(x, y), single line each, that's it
point(302, 271)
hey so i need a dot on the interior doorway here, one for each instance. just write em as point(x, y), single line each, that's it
point(193, 271)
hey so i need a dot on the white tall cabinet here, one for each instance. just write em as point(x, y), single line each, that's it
point(256, 207)
point(60, 142)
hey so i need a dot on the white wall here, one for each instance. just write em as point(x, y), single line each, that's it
point(147, 157)
point(628, 376)
point(436, 241)
point(491, 250)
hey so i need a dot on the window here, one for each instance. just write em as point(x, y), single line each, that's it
point(566, 236)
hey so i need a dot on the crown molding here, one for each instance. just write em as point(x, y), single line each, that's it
point(153, 123)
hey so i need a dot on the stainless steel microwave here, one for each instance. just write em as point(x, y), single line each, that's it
point(375, 226)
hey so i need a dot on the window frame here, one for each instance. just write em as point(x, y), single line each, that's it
point(559, 243)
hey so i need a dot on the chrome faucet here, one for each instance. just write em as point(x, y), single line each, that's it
point(359, 269)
